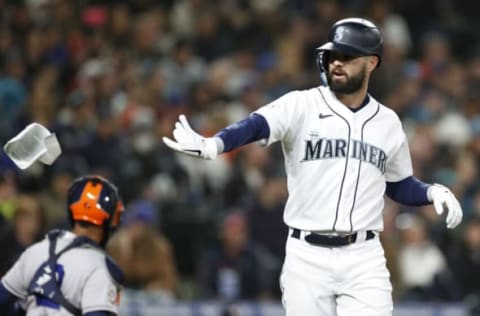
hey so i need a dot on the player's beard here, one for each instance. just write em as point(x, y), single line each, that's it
point(352, 85)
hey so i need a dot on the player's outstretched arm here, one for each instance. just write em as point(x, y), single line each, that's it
point(189, 142)
point(250, 129)
point(442, 199)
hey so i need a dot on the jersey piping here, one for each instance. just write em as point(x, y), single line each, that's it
point(346, 160)
point(360, 166)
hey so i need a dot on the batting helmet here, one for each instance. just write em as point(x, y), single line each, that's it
point(352, 36)
point(95, 200)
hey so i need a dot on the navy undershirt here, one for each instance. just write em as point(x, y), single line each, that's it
point(409, 191)
point(364, 103)
point(243, 132)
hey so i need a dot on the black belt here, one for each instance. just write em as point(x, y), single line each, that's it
point(330, 240)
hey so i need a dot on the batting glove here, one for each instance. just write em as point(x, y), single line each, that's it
point(189, 142)
point(442, 198)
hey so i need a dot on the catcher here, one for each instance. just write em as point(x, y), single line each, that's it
point(68, 272)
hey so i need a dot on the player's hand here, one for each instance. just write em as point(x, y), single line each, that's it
point(189, 142)
point(443, 198)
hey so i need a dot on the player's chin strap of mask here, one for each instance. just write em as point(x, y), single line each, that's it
point(45, 284)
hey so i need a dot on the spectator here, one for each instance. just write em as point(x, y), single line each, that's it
point(182, 69)
point(464, 259)
point(26, 227)
point(8, 191)
point(13, 95)
point(53, 194)
point(265, 213)
point(145, 255)
point(420, 261)
point(236, 269)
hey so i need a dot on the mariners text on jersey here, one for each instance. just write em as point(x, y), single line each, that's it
point(325, 148)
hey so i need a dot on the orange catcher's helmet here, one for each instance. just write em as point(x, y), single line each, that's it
point(95, 200)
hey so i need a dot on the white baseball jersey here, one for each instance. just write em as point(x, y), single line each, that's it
point(337, 161)
point(86, 281)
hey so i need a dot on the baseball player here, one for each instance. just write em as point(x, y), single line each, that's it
point(343, 151)
point(68, 272)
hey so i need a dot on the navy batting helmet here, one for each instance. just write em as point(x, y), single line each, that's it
point(352, 36)
point(95, 200)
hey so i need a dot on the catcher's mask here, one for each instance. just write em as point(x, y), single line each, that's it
point(95, 200)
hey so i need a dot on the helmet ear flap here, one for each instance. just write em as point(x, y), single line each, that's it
point(322, 64)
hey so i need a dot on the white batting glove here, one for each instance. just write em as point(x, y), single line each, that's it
point(442, 197)
point(189, 142)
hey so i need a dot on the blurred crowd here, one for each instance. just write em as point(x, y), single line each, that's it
point(111, 77)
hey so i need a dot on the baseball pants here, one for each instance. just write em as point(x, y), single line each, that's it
point(342, 281)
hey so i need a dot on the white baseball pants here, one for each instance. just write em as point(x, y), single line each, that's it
point(345, 281)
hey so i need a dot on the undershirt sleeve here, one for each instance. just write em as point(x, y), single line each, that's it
point(409, 191)
point(250, 129)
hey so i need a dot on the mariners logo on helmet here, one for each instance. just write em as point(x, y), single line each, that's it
point(339, 33)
